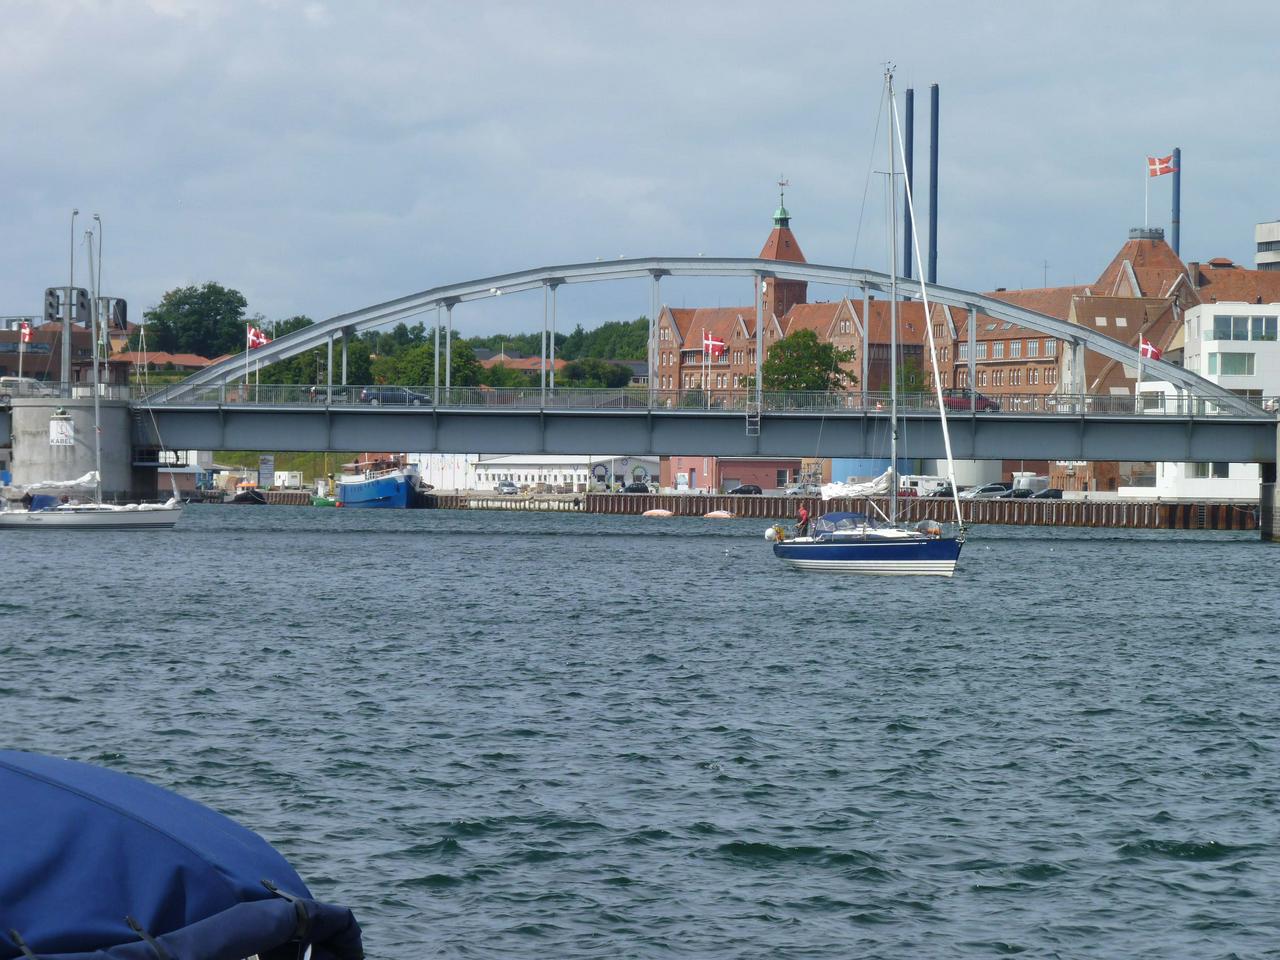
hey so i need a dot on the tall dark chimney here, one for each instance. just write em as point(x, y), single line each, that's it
point(909, 148)
point(1177, 197)
point(933, 183)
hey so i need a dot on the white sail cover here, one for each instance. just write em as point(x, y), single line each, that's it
point(86, 482)
point(878, 487)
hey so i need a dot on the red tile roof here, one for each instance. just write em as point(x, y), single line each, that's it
point(1225, 282)
point(1154, 264)
point(158, 358)
point(1053, 301)
point(782, 245)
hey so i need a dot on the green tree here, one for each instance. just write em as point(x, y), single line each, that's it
point(911, 378)
point(310, 366)
point(415, 366)
point(590, 372)
point(500, 375)
point(803, 362)
point(207, 320)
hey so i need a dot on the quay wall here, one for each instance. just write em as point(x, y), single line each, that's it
point(1132, 514)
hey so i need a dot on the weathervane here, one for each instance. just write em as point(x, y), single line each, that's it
point(782, 187)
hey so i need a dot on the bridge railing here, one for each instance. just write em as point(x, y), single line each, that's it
point(11, 387)
point(958, 403)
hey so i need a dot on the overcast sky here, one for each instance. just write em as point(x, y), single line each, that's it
point(321, 156)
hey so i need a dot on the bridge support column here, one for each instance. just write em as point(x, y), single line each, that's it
point(435, 383)
point(973, 358)
point(542, 354)
point(1269, 500)
point(654, 295)
point(551, 371)
point(760, 339)
point(448, 349)
point(345, 337)
point(866, 339)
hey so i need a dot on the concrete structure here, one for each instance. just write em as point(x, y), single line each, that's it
point(543, 472)
point(1267, 237)
point(53, 440)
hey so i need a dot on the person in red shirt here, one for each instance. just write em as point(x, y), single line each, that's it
point(802, 521)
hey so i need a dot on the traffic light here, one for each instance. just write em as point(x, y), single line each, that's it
point(120, 314)
point(82, 314)
point(51, 303)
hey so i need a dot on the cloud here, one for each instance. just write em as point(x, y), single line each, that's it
point(325, 156)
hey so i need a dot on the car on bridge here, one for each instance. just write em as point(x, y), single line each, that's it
point(962, 398)
point(394, 396)
point(745, 488)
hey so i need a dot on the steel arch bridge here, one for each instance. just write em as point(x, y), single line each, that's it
point(446, 297)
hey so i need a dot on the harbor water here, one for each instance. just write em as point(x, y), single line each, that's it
point(561, 735)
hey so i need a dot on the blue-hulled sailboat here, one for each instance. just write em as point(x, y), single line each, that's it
point(856, 542)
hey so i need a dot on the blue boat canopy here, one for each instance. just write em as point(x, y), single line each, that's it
point(101, 865)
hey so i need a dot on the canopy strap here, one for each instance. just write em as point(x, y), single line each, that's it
point(22, 945)
point(152, 942)
point(303, 930)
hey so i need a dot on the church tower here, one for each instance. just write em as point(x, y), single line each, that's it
point(781, 295)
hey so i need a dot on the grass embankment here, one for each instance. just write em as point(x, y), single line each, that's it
point(312, 465)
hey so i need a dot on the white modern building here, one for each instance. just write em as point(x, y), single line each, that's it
point(1235, 345)
point(1267, 236)
point(532, 471)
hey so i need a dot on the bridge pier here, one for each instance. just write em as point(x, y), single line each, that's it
point(36, 455)
point(1269, 499)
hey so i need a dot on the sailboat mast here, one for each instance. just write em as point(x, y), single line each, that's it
point(893, 317)
point(97, 413)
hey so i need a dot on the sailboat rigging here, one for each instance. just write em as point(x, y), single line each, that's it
point(853, 542)
point(48, 503)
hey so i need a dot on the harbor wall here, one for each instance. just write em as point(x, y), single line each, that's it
point(35, 458)
point(1131, 514)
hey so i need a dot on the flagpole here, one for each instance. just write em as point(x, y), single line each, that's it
point(1137, 389)
point(22, 349)
point(1146, 197)
point(246, 361)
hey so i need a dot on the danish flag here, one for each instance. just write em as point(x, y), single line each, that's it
point(713, 346)
point(24, 331)
point(257, 338)
point(1159, 166)
point(1149, 350)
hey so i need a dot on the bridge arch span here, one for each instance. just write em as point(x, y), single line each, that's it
point(392, 311)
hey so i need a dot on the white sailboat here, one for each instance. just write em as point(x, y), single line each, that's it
point(23, 506)
point(847, 542)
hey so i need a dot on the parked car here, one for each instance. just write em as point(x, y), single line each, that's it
point(745, 488)
point(636, 487)
point(942, 491)
point(1049, 493)
point(804, 490)
point(397, 396)
point(507, 488)
point(987, 491)
point(26, 387)
point(962, 398)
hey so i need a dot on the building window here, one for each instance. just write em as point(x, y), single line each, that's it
point(1051, 375)
point(1051, 348)
point(937, 331)
point(1231, 364)
point(981, 351)
point(1239, 328)
point(982, 378)
point(997, 350)
point(1033, 376)
point(997, 378)
point(962, 351)
point(1015, 349)
point(1015, 378)
point(1122, 322)
point(1033, 348)
point(1215, 471)
point(1264, 328)
point(782, 477)
point(1100, 321)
